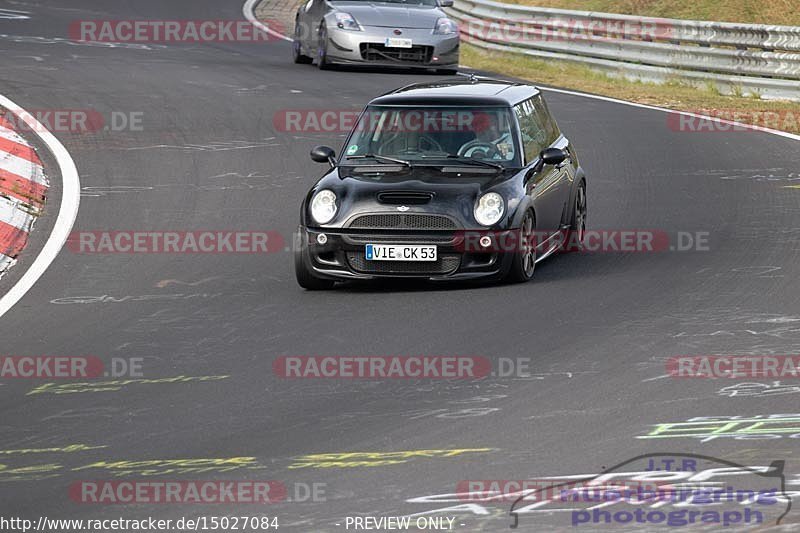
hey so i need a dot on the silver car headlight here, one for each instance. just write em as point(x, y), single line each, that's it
point(445, 26)
point(346, 21)
point(323, 206)
point(489, 209)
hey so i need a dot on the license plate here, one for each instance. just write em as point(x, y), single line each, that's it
point(400, 252)
point(393, 42)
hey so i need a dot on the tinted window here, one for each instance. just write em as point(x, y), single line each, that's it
point(537, 126)
point(546, 120)
point(435, 133)
point(534, 137)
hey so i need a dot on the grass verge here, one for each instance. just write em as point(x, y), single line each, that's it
point(780, 115)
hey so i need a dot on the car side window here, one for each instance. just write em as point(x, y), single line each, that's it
point(547, 120)
point(534, 137)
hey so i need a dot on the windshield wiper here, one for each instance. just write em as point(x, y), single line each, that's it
point(381, 158)
point(479, 162)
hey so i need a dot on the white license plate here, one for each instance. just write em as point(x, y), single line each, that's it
point(400, 252)
point(393, 42)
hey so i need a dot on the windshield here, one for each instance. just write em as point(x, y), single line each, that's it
point(409, 2)
point(418, 134)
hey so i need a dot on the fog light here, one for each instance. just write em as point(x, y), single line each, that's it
point(485, 241)
point(322, 238)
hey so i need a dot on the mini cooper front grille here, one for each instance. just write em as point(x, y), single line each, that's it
point(404, 221)
point(381, 52)
point(411, 239)
point(405, 197)
point(445, 264)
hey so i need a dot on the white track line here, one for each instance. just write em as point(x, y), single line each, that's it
point(249, 13)
point(249, 5)
point(70, 200)
point(666, 110)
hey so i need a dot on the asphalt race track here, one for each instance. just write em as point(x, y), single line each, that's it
point(596, 327)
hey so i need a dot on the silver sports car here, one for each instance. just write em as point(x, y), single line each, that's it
point(394, 33)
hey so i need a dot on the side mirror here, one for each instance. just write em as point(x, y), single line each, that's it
point(323, 154)
point(553, 156)
point(445, 3)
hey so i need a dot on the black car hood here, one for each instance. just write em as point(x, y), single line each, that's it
point(452, 194)
point(451, 174)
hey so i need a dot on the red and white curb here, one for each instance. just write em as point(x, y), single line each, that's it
point(67, 209)
point(23, 189)
point(248, 9)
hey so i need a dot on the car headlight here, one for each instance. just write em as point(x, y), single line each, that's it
point(346, 21)
point(490, 209)
point(323, 206)
point(445, 26)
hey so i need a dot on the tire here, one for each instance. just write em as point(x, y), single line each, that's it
point(577, 225)
point(322, 50)
point(306, 278)
point(447, 71)
point(523, 263)
point(297, 49)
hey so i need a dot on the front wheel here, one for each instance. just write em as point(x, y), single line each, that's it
point(297, 48)
point(577, 226)
point(524, 262)
point(322, 50)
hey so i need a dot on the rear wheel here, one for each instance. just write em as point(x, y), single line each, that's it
point(322, 50)
point(524, 262)
point(297, 49)
point(577, 226)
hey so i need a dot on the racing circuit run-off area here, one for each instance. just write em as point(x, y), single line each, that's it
point(400, 265)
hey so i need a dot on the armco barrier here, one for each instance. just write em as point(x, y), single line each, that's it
point(737, 58)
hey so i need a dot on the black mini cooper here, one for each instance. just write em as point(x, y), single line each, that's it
point(445, 180)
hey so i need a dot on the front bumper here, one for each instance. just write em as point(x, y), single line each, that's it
point(367, 47)
point(343, 256)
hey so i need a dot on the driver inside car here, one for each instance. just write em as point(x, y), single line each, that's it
point(491, 140)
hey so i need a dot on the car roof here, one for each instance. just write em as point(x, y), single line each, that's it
point(466, 91)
